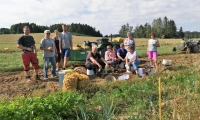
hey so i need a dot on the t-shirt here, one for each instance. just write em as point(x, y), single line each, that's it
point(151, 46)
point(130, 42)
point(65, 39)
point(26, 41)
point(122, 53)
point(45, 43)
point(131, 56)
point(97, 56)
point(111, 54)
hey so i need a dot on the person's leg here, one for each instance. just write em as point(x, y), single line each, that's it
point(53, 66)
point(66, 55)
point(135, 66)
point(58, 61)
point(91, 66)
point(150, 56)
point(155, 60)
point(26, 64)
point(45, 68)
point(35, 64)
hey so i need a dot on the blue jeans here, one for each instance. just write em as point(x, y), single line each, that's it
point(53, 66)
point(135, 64)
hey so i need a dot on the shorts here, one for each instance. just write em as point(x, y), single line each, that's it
point(65, 52)
point(28, 58)
point(152, 55)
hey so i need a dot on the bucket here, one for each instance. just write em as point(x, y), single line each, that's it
point(121, 65)
point(90, 72)
point(141, 71)
point(167, 62)
point(61, 75)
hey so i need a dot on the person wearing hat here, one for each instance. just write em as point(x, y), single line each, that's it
point(47, 44)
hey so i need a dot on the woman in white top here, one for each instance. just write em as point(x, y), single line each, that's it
point(132, 59)
point(129, 41)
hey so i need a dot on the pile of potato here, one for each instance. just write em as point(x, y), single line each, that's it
point(118, 39)
point(74, 81)
point(78, 47)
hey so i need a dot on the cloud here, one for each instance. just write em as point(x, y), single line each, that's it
point(105, 15)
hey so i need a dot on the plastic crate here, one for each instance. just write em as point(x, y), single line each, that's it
point(78, 55)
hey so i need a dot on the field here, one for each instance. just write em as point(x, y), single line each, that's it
point(135, 99)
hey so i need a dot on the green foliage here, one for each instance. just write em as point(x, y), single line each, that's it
point(42, 108)
point(124, 29)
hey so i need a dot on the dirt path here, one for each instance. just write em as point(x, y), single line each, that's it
point(13, 84)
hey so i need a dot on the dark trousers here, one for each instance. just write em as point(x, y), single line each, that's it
point(94, 67)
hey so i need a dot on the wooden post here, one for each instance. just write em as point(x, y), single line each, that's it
point(160, 99)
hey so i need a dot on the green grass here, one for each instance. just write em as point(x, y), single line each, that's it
point(11, 61)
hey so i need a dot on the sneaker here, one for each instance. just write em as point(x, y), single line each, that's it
point(54, 76)
point(37, 77)
point(128, 71)
point(45, 78)
point(28, 78)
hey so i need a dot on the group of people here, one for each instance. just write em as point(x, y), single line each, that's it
point(54, 50)
point(58, 48)
point(126, 54)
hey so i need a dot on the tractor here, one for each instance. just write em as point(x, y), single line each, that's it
point(191, 47)
point(81, 54)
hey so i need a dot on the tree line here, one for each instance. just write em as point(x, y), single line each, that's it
point(163, 28)
point(74, 28)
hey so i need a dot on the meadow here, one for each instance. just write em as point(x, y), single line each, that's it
point(11, 58)
point(134, 99)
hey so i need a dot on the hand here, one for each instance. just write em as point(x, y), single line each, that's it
point(50, 48)
point(56, 54)
point(29, 49)
point(100, 67)
point(107, 65)
point(60, 51)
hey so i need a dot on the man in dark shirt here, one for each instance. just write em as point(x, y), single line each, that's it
point(29, 53)
point(94, 60)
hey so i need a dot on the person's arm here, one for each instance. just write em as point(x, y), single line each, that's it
point(126, 58)
point(71, 43)
point(60, 44)
point(104, 61)
point(157, 44)
point(23, 48)
point(34, 49)
point(95, 62)
point(125, 43)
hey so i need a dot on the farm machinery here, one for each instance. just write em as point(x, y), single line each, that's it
point(81, 54)
point(190, 47)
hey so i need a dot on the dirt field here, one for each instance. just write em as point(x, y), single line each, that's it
point(13, 84)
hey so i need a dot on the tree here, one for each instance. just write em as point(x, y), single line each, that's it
point(124, 29)
point(180, 33)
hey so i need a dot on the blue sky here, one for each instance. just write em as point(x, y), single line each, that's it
point(105, 15)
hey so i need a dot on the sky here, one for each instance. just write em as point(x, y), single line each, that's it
point(107, 16)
